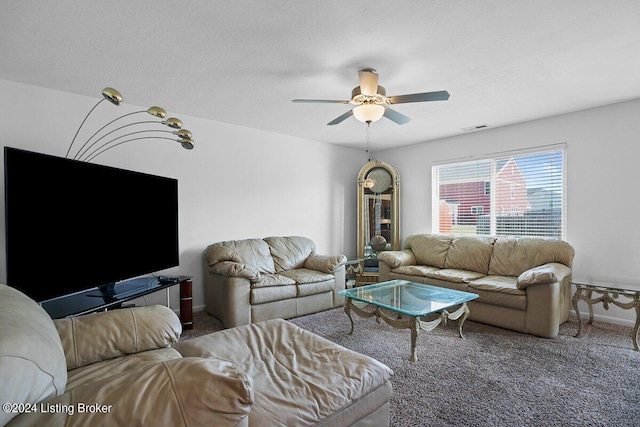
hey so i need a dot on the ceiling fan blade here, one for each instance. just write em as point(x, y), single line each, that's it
point(442, 95)
point(324, 101)
point(340, 119)
point(394, 116)
point(368, 82)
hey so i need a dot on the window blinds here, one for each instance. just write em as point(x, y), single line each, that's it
point(518, 194)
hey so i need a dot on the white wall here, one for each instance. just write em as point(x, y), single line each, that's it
point(237, 183)
point(603, 149)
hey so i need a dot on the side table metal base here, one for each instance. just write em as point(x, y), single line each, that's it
point(606, 296)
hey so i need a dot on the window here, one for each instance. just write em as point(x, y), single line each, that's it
point(478, 210)
point(518, 194)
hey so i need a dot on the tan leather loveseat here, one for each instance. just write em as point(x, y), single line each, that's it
point(247, 281)
point(124, 368)
point(523, 283)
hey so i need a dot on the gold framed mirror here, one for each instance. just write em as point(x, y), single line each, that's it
point(378, 214)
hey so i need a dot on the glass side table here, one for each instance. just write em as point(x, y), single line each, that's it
point(606, 295)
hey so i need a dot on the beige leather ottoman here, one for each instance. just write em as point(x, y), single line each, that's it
point(300, 378)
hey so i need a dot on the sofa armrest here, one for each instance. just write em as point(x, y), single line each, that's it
point(544, 274)
point(189, 391)
point(325, 263)
point(396, 259)
point(103, 336)
point(234, 269)
point(228, 299)
point(225, 261)
point(548, 304)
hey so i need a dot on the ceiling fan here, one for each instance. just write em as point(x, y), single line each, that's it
point(371, 101)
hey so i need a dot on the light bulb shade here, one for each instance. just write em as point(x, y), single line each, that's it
point(184, 134)
point(157, 112)
point(172, 122)
point(368, 113)
point(112, 95)
point(187, 143)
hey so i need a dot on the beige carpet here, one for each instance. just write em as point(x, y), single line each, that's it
point(494, 377)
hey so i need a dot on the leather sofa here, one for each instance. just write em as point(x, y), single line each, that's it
point(126, 368)
point(523, 283)
point(247, 281)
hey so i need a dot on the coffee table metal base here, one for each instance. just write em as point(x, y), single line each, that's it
point(401, 321)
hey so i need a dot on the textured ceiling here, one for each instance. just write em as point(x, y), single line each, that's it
point(242, 62)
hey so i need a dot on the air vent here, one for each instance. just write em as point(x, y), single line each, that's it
point(474, 128)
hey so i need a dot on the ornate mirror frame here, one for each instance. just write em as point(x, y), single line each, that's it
point(366, 181)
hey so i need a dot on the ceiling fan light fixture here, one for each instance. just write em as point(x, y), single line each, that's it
point(368, 113)
point(371, 101)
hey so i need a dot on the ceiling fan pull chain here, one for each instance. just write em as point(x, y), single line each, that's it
point(368, 144)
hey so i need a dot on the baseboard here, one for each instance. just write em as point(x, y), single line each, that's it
point(196, 309)
point(199, 308)
point(605, 319)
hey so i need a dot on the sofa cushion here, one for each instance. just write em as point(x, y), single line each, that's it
point(305, 289)
point(429, 249)
point(252, 252)
point(514, 255)
point(300, 379)
point(414, 270)
point(261, 295)
point(504, 284)
point(304, 275)
point(272, 280)
point(289, 252)
point(471, 253)
point(32, 361)
point(107, 368)
point(179, 392)
point(115, 333)
point(453, 275)
point(499, 290)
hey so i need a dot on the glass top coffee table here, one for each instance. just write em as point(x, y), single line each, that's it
point(409, 301)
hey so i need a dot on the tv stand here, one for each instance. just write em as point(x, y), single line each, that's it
point(112, 296)
point(119, 291)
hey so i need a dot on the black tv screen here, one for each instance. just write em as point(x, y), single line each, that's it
point(72, 225)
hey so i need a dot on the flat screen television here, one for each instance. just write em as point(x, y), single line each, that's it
point(72, 226)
